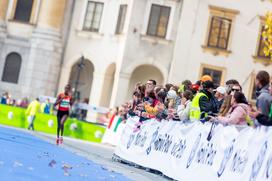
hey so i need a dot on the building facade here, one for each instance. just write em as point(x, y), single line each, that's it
point(30, 46)
point(102, 48)
point(121, 46)
point(223, 39)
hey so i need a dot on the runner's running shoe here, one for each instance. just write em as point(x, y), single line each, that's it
point(61, 140)
point(57, 141)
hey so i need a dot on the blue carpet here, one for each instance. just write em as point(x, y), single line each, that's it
point(24, 157)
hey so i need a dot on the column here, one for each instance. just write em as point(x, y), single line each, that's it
point(95, 95)
point(97, 87)
point(120, 89)
point(3, 12)
point(107, 90)
point(46, 45)
point(3, 9)
point(52, 14)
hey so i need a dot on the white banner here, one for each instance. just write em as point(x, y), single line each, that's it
point(114, 131)
point(199, 151)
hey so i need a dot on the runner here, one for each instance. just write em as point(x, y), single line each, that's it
point(63, 103)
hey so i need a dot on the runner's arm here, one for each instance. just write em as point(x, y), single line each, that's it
point(59, 99)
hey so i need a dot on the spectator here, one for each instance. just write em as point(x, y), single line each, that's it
point(184, 109)
point(219, 96)
point(146, 109)
point(151, 84)
point(149, 104)
point(231, 86)
point(178, 97)
point(31, 111)
point(205, 78)
point(264, 99)
point(24, 103)
point(203, 102)
point(159, 106)
point(168, 86)
point(158, 88)
point(4, 98)
point(172, 98)
point(263, 119)
point(46, 106)
point(149, 90)
point(12, 102)
point(195, 87)
point(137, 99)
point(175, 88)
point(139, 87)
point(185, 85)
point(172, 103)
point(162, 111)
point(239, 112)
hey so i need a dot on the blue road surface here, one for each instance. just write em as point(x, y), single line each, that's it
point(24, 157)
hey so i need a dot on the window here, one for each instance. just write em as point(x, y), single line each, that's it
point(252, 87)
point(220, 27)
point(253, 93)
point(121, 19)
point(23, 10)
point(217, 73)
point(261, 45)
point(93, 16)
point(219, 32)
point(158, 21)
point(12, 68)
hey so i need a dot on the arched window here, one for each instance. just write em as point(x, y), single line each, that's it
point(23, 10)
point(12, 68)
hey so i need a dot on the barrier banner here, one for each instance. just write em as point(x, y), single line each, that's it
point(114, 130)
point(196, 151)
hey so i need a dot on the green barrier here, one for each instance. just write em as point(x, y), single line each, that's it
point(48, 124)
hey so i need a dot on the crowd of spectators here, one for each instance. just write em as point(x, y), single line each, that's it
point(188, 102)
point(201, 101)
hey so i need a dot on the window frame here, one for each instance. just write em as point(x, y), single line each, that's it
point(33, 15)
point(5, 68)
point(86, 11)
point(260, 39)
point(219, 33)
point(225, 13)
point(213, 67)
point(121, 20)
point(251, 87)
point(27, 17)
point(157, 26)
point(256, 58)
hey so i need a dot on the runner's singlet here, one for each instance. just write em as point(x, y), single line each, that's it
point(64, 104)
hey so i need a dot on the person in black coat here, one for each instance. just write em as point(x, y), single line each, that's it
point(261, 118)
point(208, 104)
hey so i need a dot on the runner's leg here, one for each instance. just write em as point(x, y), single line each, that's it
point(63, 119)
point(59, 116)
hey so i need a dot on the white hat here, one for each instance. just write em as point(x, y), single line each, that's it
point(172, 94)
point(221, 90)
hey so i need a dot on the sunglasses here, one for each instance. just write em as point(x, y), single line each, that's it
point(233, 90)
